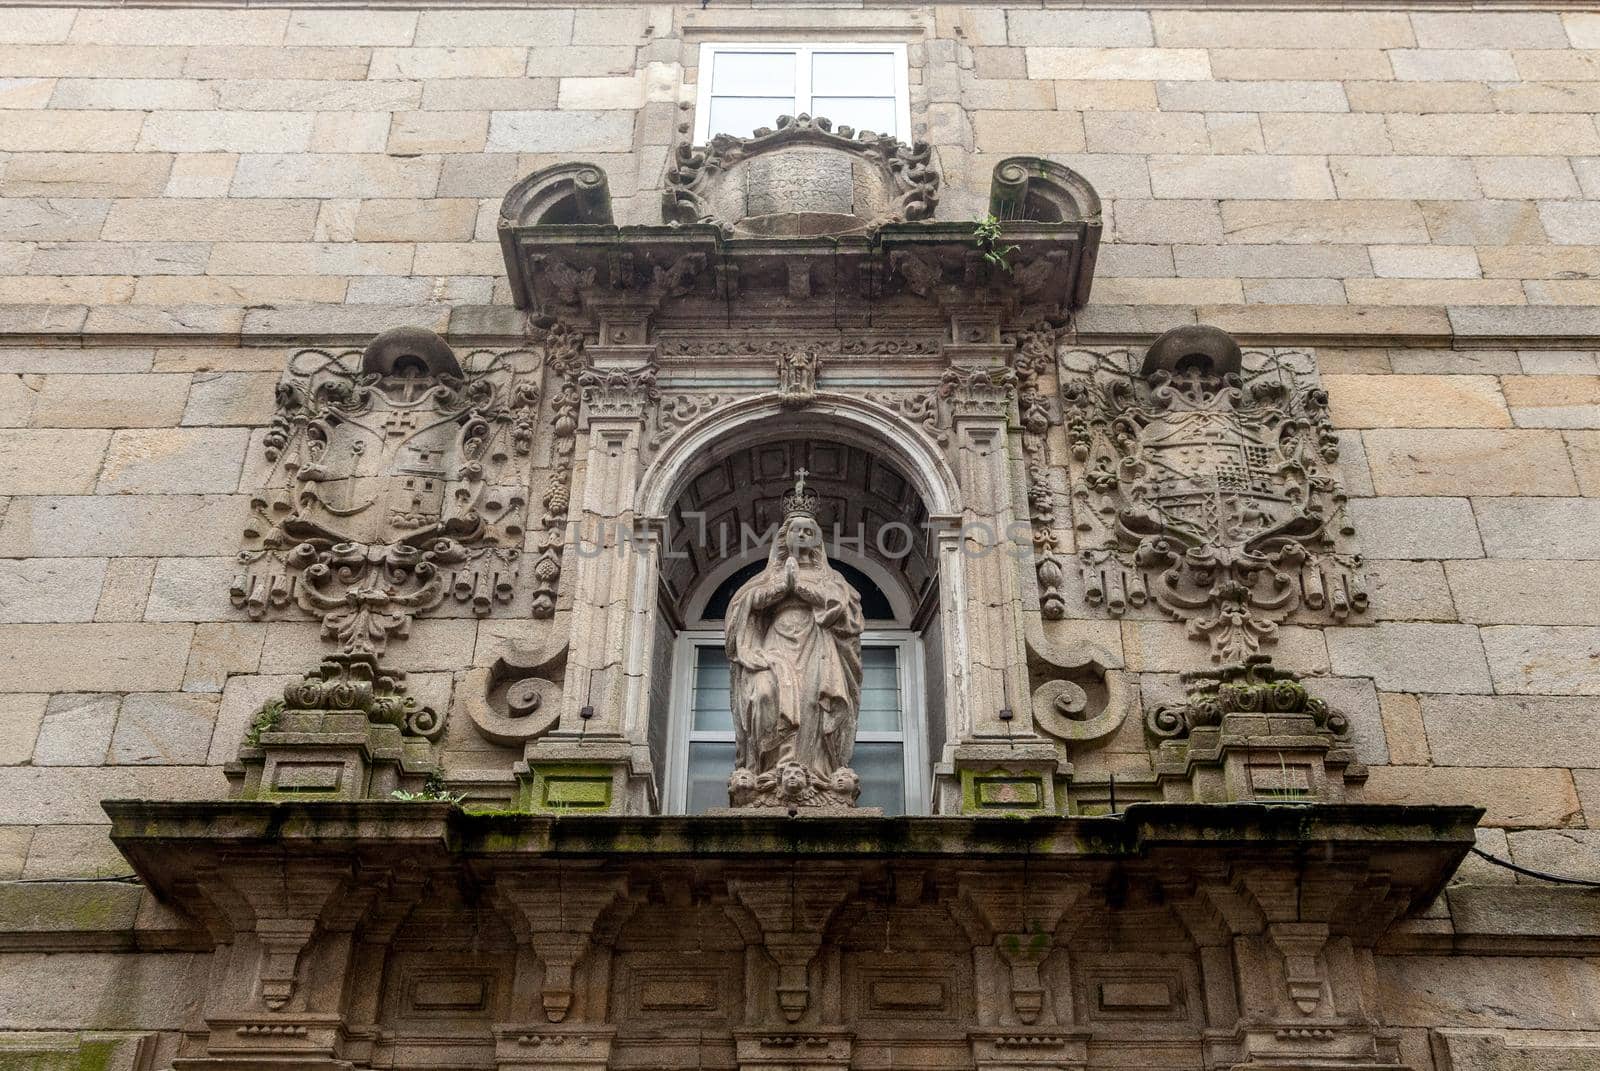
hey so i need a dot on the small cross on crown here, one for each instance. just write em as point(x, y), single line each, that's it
point(802, 500)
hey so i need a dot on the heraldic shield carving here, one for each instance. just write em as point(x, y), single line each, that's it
point(1203, 484)
point(398, 478)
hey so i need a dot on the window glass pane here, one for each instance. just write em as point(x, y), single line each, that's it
point(753, 74)
point(853, 74)
point(741, 116)
point(711, 703)
point(864, 113)
point(709, 767)
point(882, 769)
point(880, 689)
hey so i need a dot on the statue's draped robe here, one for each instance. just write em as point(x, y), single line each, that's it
point(795, 662)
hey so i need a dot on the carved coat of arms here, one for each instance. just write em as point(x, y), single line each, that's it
point(1206, 487)
point(399, 478)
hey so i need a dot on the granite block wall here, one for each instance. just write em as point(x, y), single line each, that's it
point(1412, 193)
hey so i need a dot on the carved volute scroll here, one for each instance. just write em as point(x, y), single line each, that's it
point(1203, 483)
point(806, 177)
point(398, 480)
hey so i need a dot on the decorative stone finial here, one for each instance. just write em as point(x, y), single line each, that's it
point(802, 501)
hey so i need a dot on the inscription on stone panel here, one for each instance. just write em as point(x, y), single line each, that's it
point(799, 181)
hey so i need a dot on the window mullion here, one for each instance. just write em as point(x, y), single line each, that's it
point(802, 81)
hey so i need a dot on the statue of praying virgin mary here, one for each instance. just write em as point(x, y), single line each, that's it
point(794, 648)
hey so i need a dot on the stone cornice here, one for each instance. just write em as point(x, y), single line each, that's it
point(1455, 326)
point(1416, 847)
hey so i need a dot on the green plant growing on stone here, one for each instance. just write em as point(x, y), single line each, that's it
point(265, 721)
point(987, 235)
point(1282, 794)
point(434, 790)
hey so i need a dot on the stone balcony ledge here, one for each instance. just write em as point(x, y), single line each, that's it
point(1416, 848)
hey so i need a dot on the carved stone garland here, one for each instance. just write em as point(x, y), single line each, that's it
point(398, 480)
point(564, 358)
point(1206, 487)
point(1035, 354)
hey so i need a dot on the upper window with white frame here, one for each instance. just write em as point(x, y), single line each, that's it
point(746, 86)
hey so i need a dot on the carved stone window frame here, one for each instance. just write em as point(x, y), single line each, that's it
point(803, 91)
point(912, 737)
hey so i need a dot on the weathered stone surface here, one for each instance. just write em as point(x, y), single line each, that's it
point(173, 461)
point(204, 219)
point(556, 131)
point(55, 589)
point(153, 525)
point(1416, 527)
point(1409, 590)
point(20, 717)
point(1404, 729)
point(1544, 659)
point(242, 699)
point(126, 587)
point(1554, 401)
point(220, 650)
point(163, 729)
point(1302, 223)
point(75, 852)
point(230, 398)
point(76, 730)
point(1511, 731)
point(143, 991)
point(192, 589)
point(1290, 177)
point(1512, 798)
point(1416, 401)
point(110, 401)
point(1465, 462)
point(50, 462)
point(1411, 657)
point(1540, 592)
point(1539, 527)
point(93, 657)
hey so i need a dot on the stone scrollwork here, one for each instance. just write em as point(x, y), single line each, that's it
point(398, 480)
point(518, 697)
point(1202, 483)
point(1255, 686)
point(804, 177)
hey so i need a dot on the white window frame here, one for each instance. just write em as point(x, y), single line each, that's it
point(802, 86)
point(913, 714)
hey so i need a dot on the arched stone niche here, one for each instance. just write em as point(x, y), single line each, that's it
point(870, 468)
point(870, 513)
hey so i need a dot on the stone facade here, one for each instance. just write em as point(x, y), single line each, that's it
point(214, 219)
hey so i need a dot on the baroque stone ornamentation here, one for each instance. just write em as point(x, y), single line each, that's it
point(564, 359)
point(398, 480)
point(1034, 355)
point(797, 376)
point(804, 177)
point(1254, 686)
point(794, 649)
point(1204, 484)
